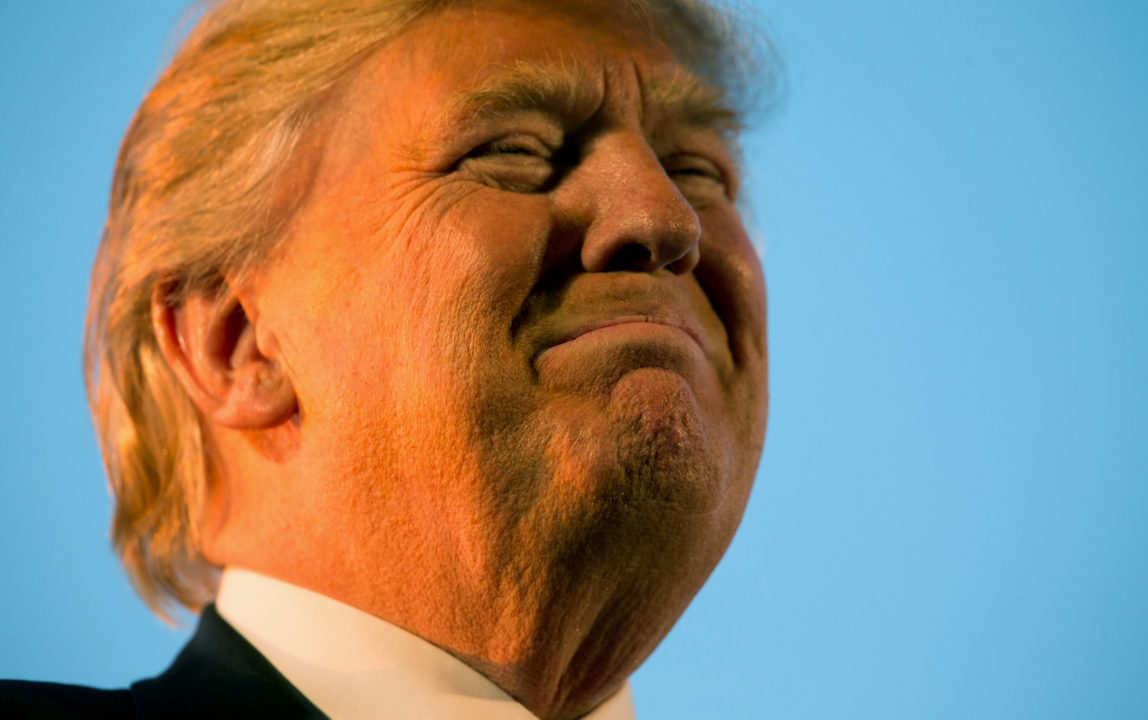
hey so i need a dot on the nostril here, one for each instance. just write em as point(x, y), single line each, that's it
point(686, 263)
point(631, 257)
point(637, 218)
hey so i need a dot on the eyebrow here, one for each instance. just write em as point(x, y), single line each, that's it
point(562, 89)
point(687, 98)
point(569, 89)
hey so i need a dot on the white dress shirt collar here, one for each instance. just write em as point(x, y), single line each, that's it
point(351, 664)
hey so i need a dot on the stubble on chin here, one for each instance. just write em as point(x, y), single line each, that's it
point(662, 443)
point(566, 467)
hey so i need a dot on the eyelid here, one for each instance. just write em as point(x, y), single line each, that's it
point(518, 162)
point(517, 144)
point(698, 165)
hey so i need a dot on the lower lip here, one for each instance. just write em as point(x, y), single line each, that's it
point(624, 343)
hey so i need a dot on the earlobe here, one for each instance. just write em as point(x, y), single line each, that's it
point(213, 348)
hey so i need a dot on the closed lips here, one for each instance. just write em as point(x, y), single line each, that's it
point(628, 320)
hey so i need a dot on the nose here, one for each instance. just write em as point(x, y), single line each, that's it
point(640, 222)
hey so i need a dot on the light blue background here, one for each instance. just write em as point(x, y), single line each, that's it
point(951, 520)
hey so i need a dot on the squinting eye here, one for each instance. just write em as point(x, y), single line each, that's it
point(518, 145)
point(693, 167)
point(519, 163)
point(508, 149)
point(700, 180)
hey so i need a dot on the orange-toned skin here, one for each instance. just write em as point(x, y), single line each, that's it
point(508, 398)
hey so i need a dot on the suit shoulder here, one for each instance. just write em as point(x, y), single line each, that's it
point(218, 675)
point(27, 700)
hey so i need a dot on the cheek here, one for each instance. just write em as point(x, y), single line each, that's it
point(434, 302)
point(409, 312)
point(469, 272)
point(496, 241)
point(731, 275)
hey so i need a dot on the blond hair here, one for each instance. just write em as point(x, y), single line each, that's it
point(194, 200)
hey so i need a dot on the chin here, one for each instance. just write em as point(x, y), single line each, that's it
point(666, 447)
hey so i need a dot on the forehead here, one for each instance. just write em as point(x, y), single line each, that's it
point(475, 60)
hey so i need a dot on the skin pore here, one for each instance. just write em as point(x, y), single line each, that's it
point(506, 380)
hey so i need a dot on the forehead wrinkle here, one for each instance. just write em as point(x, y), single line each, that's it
point(567, 88)
point(563, 88)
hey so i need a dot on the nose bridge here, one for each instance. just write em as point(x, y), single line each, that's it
point(641, 221)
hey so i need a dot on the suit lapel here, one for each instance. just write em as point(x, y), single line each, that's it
point(220, 675)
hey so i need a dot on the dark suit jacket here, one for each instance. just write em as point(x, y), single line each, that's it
point(218, 674)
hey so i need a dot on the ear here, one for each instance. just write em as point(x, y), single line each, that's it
point(214, 350)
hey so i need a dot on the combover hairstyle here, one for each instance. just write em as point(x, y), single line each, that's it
point(196, 198)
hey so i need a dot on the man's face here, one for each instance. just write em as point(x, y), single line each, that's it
point(523, 320)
